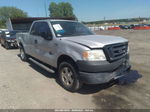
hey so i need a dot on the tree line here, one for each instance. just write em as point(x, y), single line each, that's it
point(60, 10)
point(117, 21)
point(10, 12)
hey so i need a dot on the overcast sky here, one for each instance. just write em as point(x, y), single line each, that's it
point(87, 10)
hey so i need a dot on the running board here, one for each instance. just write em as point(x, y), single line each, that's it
point(42, 66)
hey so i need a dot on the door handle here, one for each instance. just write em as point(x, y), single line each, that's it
point(35, 41)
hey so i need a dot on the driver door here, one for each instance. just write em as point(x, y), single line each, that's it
point(43, 43)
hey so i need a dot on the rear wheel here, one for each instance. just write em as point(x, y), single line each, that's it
point(68, 76)
point(23, 55)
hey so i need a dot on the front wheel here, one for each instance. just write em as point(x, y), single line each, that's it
point(23, 55)
point(68, 76)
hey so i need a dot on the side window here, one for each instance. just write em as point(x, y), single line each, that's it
point(44, 28)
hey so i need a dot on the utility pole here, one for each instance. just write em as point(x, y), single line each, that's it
point(104, 22)
point(45, 6)
point(104, 19)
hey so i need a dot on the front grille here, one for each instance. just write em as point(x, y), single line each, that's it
point(116, 51)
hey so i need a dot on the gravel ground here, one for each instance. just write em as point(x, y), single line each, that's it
point(133, 95)
point(27, 86)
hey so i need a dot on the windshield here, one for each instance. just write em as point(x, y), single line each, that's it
point(69, 28)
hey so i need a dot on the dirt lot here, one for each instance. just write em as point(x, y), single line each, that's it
point(26, 86)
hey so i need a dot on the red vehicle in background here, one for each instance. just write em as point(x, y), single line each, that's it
point(142, 27)
point(114, 28)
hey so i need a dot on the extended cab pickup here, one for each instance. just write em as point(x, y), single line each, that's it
point(76, 54)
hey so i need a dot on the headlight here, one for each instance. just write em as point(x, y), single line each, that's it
point(94, 55)
point(7, 35)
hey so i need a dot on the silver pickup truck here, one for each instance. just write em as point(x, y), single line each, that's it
point(75, 53)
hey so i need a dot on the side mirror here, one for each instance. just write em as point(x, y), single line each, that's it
point(46, 36)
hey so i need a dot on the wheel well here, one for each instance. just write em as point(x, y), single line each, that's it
point(66, 58)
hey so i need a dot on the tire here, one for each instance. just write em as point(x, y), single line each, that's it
point(68, 76)
point(23, 55)
point(6, 45)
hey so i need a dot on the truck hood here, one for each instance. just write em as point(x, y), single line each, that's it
point(95, 41)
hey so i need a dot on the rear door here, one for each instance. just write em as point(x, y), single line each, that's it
point(32, 38)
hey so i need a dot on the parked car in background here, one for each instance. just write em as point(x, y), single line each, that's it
point(125, 26)
point(0, 35)
point(132, 26)
point(8, 39)
point(1, 30)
